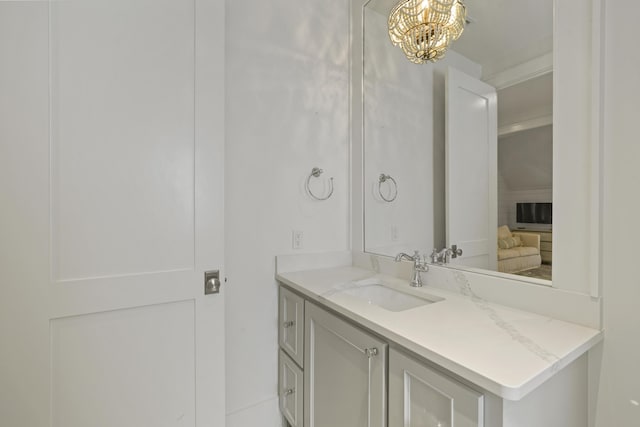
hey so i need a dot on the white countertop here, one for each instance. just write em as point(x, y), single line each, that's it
point(505, 351)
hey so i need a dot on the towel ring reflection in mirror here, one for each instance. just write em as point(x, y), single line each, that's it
point(393, 187)
point(315, 173)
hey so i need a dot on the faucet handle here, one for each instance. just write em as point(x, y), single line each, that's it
point(455, 252)
point(434, 256)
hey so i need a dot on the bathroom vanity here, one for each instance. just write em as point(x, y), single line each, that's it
point(360, 348)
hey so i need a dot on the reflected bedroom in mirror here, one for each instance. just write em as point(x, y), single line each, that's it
point(459, 151)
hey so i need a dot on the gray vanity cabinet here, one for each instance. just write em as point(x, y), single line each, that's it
point(344, 374)
point(291, 356)
point(422, 397)
point(350, 376)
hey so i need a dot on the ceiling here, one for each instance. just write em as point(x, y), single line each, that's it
point(531, 99)
point(505, 33)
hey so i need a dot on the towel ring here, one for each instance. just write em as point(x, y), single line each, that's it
point(315, 173)
point(385, 178)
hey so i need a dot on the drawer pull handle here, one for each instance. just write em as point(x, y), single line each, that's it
point(289, 391)
point(288, 324)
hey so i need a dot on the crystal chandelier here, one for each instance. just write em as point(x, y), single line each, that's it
point(424, 28)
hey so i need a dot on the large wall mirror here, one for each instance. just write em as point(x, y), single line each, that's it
point(434, 175)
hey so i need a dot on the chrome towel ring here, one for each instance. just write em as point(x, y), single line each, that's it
point(315, 173)
point(385, 178)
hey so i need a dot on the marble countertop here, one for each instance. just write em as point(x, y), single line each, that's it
point(505, 351)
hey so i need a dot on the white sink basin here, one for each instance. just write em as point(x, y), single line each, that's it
point(385, 297)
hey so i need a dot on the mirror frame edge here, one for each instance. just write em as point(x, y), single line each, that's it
point(356, 115)
point(580, 127)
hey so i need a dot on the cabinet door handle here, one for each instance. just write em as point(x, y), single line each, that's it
point(288, 391)
point(288, 324)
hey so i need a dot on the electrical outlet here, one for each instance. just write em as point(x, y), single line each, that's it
point(297, 239)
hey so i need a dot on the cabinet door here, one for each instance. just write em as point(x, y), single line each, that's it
point(291, 390)
point(291, 325)
point(345, 373)
point(422, 397)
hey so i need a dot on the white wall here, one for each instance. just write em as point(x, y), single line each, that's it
point(619, 379)
point(398, 130)
point(287, 111)
point(525, 171)
point(525, 159)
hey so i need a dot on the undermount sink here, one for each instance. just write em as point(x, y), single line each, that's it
point(387, 298)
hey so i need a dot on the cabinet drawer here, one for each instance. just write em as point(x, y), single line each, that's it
point(419, 396)
point(291, 330)
point(290, 390)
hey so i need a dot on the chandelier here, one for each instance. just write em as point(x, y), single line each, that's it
point(424, 28)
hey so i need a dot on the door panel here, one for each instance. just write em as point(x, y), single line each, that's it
point(122, 137)
point(145, 356)
point(24, 216)
point(471, 170)
point(112, 167)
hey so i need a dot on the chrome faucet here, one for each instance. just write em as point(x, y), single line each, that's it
point(444, 255)
point(419, 266)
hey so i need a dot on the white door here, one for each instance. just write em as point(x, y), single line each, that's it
point(471, 169)
point(111, 186)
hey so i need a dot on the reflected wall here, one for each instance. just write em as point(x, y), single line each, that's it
point(403, 108)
